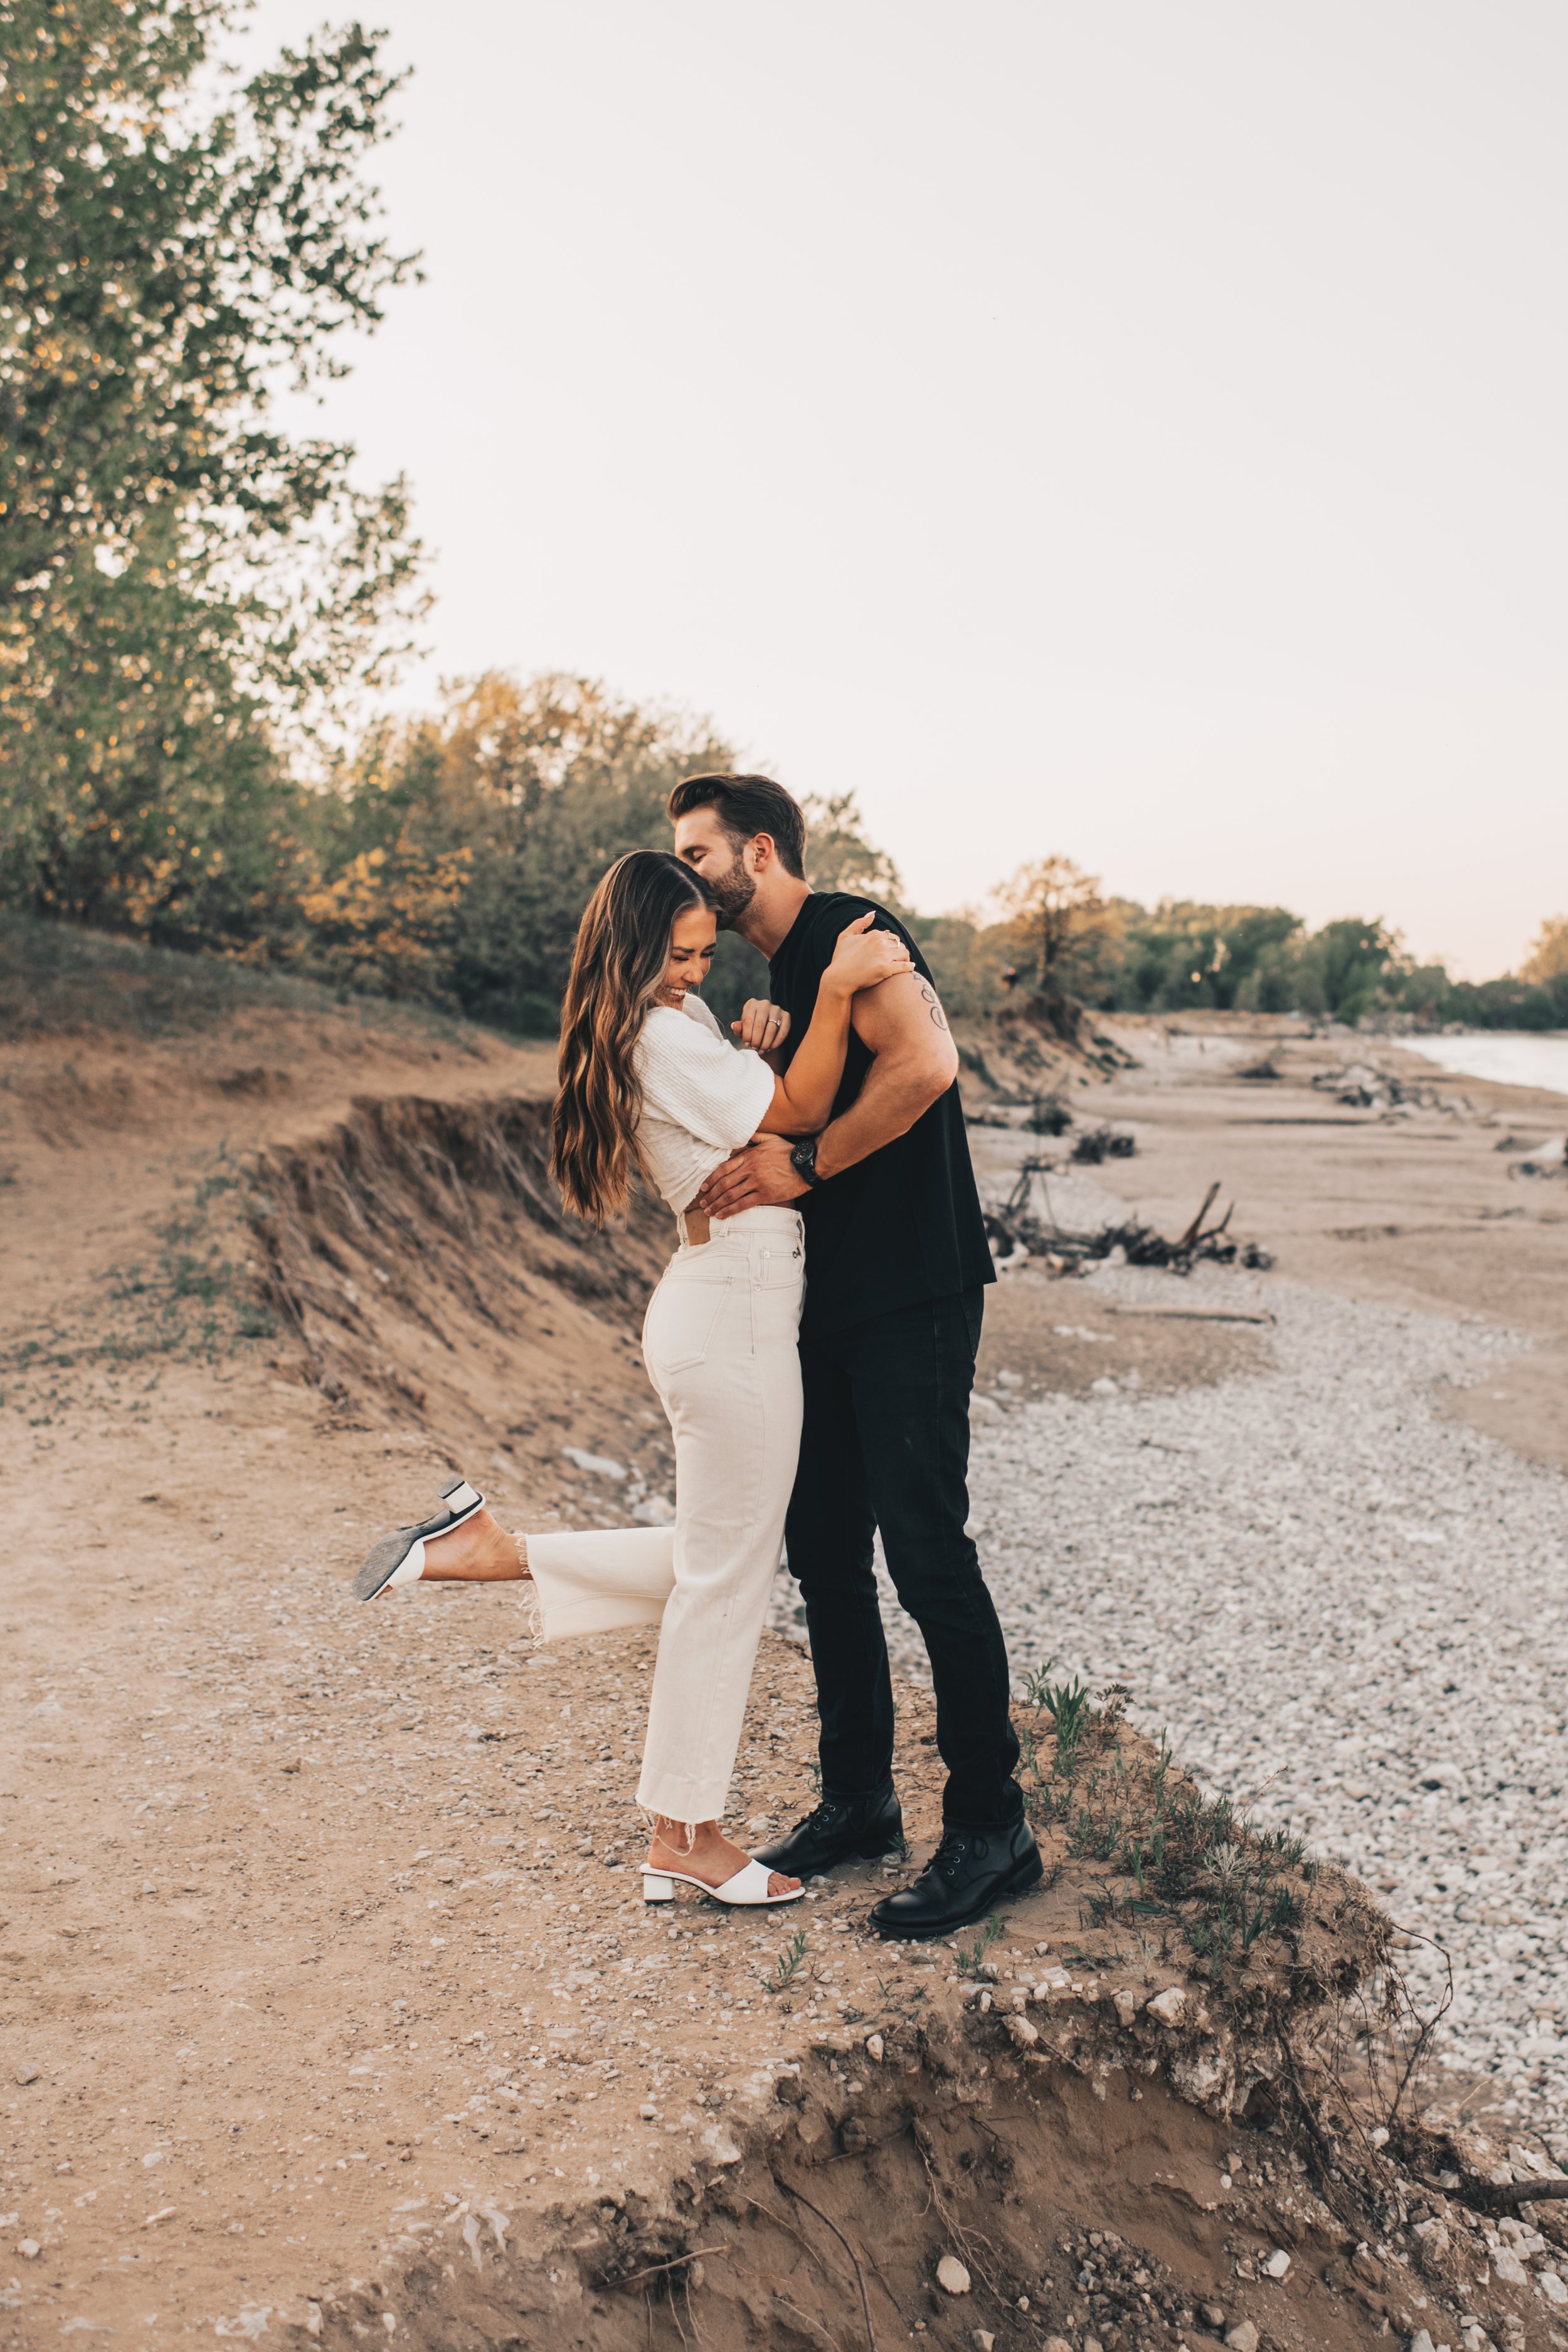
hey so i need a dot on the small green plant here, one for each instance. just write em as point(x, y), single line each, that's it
point(972, 1964)
point(1036, 1682)
point(1067, 1703)
point(787, 1966)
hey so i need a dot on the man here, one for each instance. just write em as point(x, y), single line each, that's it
point(895, 1263)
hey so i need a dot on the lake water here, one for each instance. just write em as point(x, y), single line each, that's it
point(1510, 1056)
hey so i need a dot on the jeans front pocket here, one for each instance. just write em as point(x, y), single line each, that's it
point(682, 1315)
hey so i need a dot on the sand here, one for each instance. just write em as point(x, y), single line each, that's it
point(315, 1917)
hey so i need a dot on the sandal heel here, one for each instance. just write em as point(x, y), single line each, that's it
point(655, 1888)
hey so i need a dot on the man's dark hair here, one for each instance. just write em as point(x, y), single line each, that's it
point(745, 806)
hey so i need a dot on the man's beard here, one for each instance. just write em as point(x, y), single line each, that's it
point(734, 890)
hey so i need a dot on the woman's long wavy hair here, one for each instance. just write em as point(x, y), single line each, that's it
point(623, 947)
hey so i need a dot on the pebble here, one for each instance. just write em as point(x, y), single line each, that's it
point(1345, 1605)
point(951, 2276)
point(596, 1465)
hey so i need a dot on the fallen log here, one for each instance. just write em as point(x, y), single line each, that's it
point(1197, 1314)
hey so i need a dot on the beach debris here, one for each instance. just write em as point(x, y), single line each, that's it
point(1360, 1085)
point(1547, 1159)
point(1098, 1143)
point(1165, 1311)
point(1018, 1232)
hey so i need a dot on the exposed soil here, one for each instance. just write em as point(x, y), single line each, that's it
point(329, 2005)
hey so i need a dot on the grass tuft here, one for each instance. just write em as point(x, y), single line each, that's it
point(787, 1966)
point(1168, 1853)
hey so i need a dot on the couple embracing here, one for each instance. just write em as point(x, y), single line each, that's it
point(812, 1342)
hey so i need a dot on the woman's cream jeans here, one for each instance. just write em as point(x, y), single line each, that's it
point(719, 1341)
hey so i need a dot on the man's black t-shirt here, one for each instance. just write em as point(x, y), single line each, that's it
point(903, 1224)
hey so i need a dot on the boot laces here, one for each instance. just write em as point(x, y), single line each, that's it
point(822, 1816)
point(949, 1856)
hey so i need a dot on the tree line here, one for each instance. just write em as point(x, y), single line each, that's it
point(198, 607)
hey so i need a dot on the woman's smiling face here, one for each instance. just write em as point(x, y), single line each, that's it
point(691, 954)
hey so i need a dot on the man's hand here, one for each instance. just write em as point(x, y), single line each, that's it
point(761, 1177)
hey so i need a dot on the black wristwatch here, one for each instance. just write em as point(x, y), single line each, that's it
point(803, 1159)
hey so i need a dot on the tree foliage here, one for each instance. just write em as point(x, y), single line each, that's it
point(1058, 926)
point(463, 848)
point(186, 590)
point(1548, 957)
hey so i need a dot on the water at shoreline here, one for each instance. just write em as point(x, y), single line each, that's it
point(1512, 1057)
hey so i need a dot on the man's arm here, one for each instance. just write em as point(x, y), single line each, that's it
point(914, 1062)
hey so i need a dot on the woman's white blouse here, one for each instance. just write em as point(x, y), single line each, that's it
point(702, 1098)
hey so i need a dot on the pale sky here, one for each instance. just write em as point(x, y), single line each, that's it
point(1136, 430)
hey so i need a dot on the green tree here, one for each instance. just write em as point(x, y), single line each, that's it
point(1060, 930)
point(1348, 969)
point(183, 587)
point(1548, 957)
point(520, 796)
point(1185, 953)
point(839, 855)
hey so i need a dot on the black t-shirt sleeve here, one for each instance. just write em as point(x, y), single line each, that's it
point(821, 926)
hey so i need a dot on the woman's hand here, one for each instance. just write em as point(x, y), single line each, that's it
point(762, 1026)
point(864, 958)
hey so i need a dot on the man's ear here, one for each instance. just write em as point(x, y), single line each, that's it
point(759, 854)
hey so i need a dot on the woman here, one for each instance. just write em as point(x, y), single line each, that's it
point(648, 1079)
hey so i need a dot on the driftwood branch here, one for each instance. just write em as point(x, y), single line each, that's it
point(1196, 1228)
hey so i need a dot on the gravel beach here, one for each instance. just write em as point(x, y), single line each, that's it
point(1342, 1603)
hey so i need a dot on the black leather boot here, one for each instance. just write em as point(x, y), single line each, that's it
point(969, 1874)
point(842, 1829)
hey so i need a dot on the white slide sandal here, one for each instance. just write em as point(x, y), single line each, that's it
point(747, 1890)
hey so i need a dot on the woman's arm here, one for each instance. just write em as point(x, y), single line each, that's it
point(802, 1097)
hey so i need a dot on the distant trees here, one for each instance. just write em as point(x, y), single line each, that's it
point(186, 591)
point(460, 850)
point(1183, 954)
point(1548, 958)
point(1057, 928)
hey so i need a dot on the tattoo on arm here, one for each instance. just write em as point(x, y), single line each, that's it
point(936, 1011)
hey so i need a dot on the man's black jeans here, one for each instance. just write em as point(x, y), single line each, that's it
point(886, 1444)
